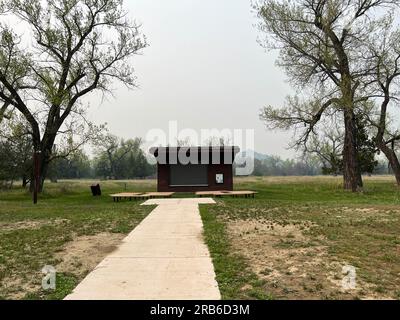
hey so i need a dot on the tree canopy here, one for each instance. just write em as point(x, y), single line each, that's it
point(326, 48)
point(78, 47)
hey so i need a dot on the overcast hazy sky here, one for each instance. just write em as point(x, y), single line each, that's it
point(203, 68)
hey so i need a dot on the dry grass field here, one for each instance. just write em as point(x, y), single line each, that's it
point(290, 242)
point(294, 239)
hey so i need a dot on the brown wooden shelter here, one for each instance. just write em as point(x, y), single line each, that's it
point(193, 169)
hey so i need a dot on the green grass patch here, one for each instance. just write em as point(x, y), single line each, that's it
point(32, 235)
point(65, 283)
point(233, 276)
point(360, 229)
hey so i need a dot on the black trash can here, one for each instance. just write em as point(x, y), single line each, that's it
point(96, 190)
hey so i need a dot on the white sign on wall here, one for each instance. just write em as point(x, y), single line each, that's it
point(219, 179)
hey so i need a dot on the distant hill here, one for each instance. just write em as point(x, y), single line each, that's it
point(257, 155)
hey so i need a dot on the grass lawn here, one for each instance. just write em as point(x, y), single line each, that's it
point(290, 242)
point(293, 240)
point(68, 229)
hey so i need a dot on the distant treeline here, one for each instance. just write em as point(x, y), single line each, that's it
point(311, 166)
point(122, 159)
point(116, 158)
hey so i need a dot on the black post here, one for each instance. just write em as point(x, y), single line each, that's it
point(36, 173)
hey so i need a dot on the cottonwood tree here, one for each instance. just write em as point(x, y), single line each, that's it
point(75, 166)
point(327, 145)
point(382, 88)
point(117, 158)
point(77, 47)
point(15, 149)
point(321, 46)
point(107, 154)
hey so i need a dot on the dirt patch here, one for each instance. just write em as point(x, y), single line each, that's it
point(372, 211)
point(78, 257)
point(17, 288)
point(29, 224)
point(384, 214)
point(84, 253)
point(292, 264)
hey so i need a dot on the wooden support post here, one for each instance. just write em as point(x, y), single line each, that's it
point(36, 175)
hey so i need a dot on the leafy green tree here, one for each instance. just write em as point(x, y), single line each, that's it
point(276, 166)
point(7, 170)
point(16, 149)
point(324, 48)
point(366, 148)
point(75, 166)
point(328, 146)
point(78, 47)
point(121, 159)
point(382, 56)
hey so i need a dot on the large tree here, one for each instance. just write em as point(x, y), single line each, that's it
point(382, 88)
point(327, 145)
point(120, 159)
point(78, 47)
point(75, 166)
point(321, 46)
point(15, 149)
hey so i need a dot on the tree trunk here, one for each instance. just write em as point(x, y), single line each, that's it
point(44, 165)
point(380, 141)
point(42, 177)
point(351, 172)
point(44, 161)
point(392, 158)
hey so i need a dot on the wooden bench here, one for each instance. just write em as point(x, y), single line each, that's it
point(245, 194)
point(140, 196)
point(125, 195)
point(155, 195)
point(223, 193)
point(208, 193)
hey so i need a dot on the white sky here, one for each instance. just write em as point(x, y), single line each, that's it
point(203, 68)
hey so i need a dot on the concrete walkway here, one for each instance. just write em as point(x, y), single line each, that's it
point(164, 257)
